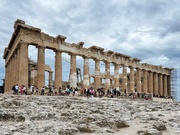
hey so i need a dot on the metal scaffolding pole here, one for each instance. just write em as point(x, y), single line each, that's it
point(174, 84)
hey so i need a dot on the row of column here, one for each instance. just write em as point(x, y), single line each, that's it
point(146, 82)
point(17, 67)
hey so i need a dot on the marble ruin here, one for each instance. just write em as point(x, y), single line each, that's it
point(142, 78)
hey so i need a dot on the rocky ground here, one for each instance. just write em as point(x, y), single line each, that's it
point(21, 115)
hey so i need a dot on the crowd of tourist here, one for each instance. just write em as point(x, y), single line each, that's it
point(88, 92)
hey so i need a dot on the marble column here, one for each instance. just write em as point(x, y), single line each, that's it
point(155, 83)
point(160, 84)
point(13, 70)
point(23, 64)
point(10, 74)
point(6, 78)
point(144, 81)
point(131, 79)
point(8, 84)
point(17, 65)
point(7, 81)
point(58, 69)
point(138, 80)
point(107, 75)
point(169, 85)
point(150, 82)
point(50, 79)
point(32, 72)
point(41, 67)
point(124, 83)
point(86, 79)
point(97, 74)
point(101, 81)
point(165, 85)
point(116, 76)
point(73, 73)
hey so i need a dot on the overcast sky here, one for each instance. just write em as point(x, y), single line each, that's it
point(145, 29)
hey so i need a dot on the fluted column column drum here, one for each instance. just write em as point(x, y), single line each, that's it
point(160, 84)
point(144, 81)
point(169, 85)
point(86, 73)
point(97, 74)
point(13, 71)
point(165, 86)
point(138, 80)
point(23, 64)
point(73, 73)
point(131, 79)
point(41, 67)
point(58, 69)
point(17, 65)
point(107, 75)
point(50, 78)
point(124, 83)
point(155, 82)
point(150, 82)
point(116, 76)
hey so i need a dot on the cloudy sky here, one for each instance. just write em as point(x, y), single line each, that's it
point(145, 29)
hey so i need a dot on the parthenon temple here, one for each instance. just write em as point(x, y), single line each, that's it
point(135, 76)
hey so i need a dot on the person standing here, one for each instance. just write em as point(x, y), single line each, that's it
point(42, 90)
point(25, 90)
point(31, 89)
point(60, 91)
point(16, 89)
point(36, 91)
point(55, 91)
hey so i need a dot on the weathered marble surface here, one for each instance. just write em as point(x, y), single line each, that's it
point(21, 115)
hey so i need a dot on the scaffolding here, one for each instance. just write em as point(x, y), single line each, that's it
point(174, 84)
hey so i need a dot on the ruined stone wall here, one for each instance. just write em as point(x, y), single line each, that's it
point(149, 78)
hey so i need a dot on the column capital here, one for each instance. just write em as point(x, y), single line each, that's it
point(150, 71)
point(57, 50)
point(85, 57)
point(114, 63)
point(70, 53)
point(155, 72)
point(40, 46)
point(95, 59)
point(105, 61)
point(58, 68)
point(22, 42)
point(138, 68)
point(131, 67)
point(124, 65)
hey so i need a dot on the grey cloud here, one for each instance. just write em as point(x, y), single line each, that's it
point(172, 53)
point(120, 36)
point(145, 9)
point(171, 28)
point(141, 53)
